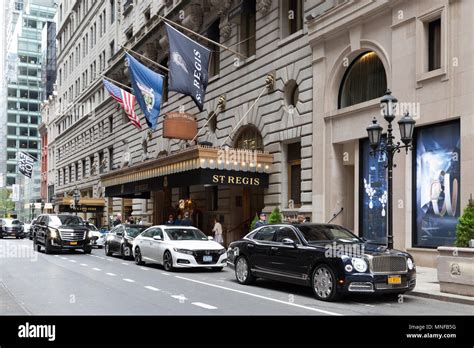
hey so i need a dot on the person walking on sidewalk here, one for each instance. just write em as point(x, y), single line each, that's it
point(217, 230)
point(262, 221)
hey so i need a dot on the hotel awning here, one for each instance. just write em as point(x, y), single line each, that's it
point(197, 165)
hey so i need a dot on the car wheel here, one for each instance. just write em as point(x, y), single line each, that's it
point(107, 250)
point(47, 248)
point(88, 250)
point(168, 261)
point(324, 284)
point(138, 257)
point(217, 269)
point(36, 246)
point(242, 271)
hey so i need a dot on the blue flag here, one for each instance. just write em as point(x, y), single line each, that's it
point(147, 88)
point(188, 64)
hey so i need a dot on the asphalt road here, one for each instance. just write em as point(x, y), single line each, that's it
point(80, 284)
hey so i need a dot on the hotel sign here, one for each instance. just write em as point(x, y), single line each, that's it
point(235, 180)
point(179, 125)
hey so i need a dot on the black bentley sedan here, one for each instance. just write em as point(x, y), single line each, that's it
point(329, 258)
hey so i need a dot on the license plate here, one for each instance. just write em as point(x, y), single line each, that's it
point(207, 258)
point(72, 243)
point(394, 279)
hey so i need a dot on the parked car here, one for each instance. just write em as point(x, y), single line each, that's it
point(328, 258)
point(178, 247)
point(120, 239)
point(32, 225)
point(97, 237)
point(61, 232)
point(26, 229)
point(11, 228)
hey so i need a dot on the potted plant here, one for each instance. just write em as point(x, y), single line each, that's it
point(275, 216)
point(456, 264)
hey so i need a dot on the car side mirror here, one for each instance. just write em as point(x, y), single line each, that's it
point(210, 238)
point(288, 241)
point(157, 238)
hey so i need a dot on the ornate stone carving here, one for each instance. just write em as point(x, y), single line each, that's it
point(146, 138)
point(194, 17)
point(263, 6)
point(226, 30)
point(222, 6)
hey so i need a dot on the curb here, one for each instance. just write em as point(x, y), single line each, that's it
point(442, 297)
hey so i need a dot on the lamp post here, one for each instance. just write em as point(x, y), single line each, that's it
point(406, 125)
point(76, 196)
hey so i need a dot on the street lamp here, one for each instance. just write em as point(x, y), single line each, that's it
point(76, 196)
point(374, 131)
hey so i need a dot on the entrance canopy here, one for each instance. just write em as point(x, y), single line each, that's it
point(197, 165)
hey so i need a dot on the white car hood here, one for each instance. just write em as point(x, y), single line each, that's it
point(196, 244)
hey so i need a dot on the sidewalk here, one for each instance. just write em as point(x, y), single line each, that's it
point(427, 286)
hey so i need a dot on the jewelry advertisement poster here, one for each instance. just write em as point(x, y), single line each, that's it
point(437, 182)
point(373, 191)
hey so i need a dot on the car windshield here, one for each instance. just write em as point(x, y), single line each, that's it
point(318, 233)
point(185, 234)
point(12, 222)
point(65, 220)
point(134, 231)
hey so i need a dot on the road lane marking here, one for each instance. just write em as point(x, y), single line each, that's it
point(204, 305)
point(124, 263)
point(181, 298)
point(111, 274)
point(259, 296)
point(144, 268)
point(129, 280)
point(96, 269)
point(64, 258)
point(110, 260)
point(72, 261)
point(84, 264)
point(164, 273)
point(151, 288)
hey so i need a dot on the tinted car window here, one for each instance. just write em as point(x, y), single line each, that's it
point(265, 234)
point(65, 220)
point(285, 232)
point(148, 233)
point(133, 231)
point(316, 233)
point(157, 232)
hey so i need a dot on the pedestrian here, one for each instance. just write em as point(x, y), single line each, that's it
point(118, 219)
point(140, 221)
point(178, 220)
point(262, 221)
point(217, 230)
point(301, 218)
point(170, 220)
point(187, 220)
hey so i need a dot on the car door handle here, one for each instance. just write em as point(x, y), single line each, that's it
point(274, 248)
point(250, 245)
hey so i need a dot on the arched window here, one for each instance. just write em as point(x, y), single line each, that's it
point(365, 79)
point(249, 139)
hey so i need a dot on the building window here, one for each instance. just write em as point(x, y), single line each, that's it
point(294, 173)
point(248, 28)
point(76, 170)
point(365, 79)
point(101, 162)
point(112, 11)
point(112, 49)
point(129, 34)
point(291, 17)
point(83, 163)
point(434, 44)
point(249, 139)
point(111, 158)
point(213, 33)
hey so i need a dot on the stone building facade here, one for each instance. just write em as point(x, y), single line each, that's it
point(422, 50)
point(96, 146)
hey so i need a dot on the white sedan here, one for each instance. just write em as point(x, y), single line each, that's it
point(178, 247)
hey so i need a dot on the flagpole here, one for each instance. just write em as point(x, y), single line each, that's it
point(144, 57)
point(118, 83)
point(269, 81)
point(215, 113)
point(203, 37)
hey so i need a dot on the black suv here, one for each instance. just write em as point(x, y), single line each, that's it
point(61, 232)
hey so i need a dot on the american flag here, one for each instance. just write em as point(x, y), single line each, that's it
point(127, 100)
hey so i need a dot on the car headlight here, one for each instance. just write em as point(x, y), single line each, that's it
point(359, 264)
point(184, 251)
point(221, 251)
point(53, 233)
point(410, 263)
